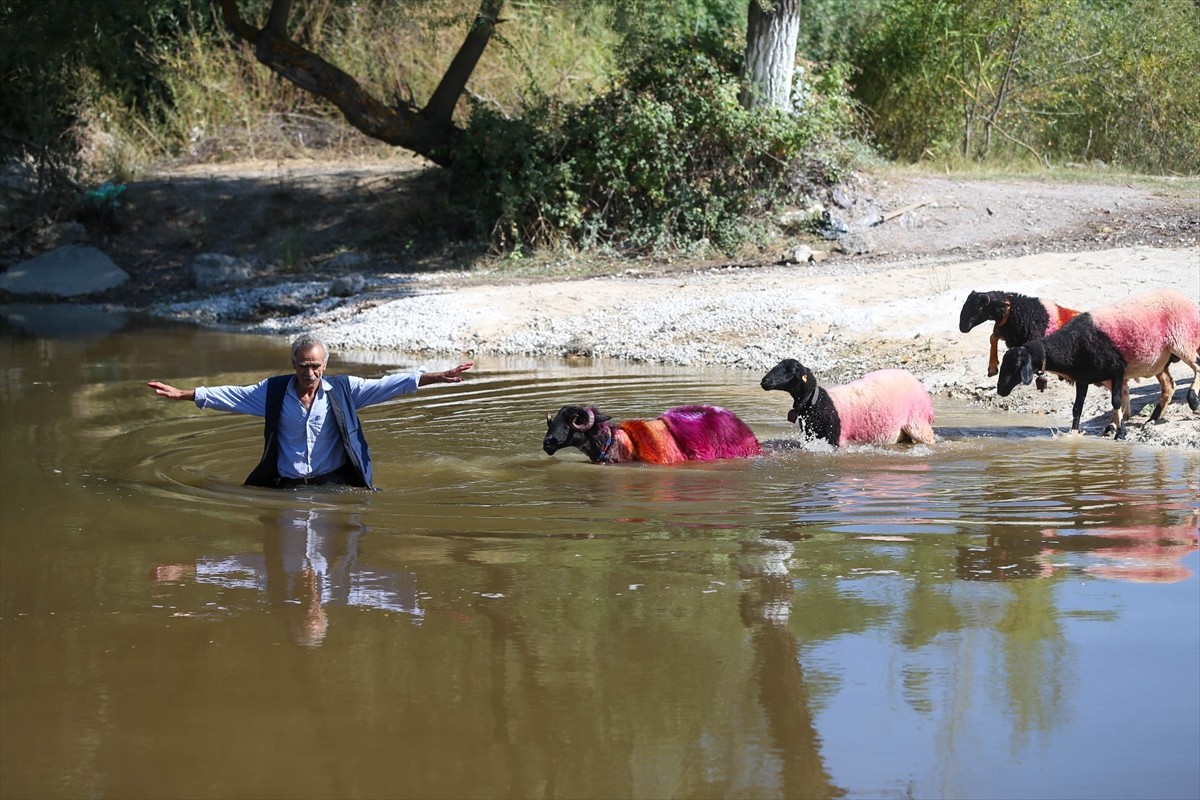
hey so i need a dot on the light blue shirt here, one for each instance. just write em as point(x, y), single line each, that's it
point(319, 543)
point(307, 446)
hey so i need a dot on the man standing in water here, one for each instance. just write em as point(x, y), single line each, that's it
point(312, 432)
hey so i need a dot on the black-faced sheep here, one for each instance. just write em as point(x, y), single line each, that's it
point(1135, 338)
point(687, 433)
point(1018, 317)
point(882, 407)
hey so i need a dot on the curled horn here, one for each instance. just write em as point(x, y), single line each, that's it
point(588, 423)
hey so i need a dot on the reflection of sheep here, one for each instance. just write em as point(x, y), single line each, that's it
point(688, 433)
point(1141, 554)
point(882, 407)
point(1019, 318)
point(1135, 338)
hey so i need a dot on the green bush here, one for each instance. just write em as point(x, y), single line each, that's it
point(1065, 80)
point(1138, 102)
point(666, 159)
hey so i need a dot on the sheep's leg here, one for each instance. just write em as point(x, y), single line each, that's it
point(1077, 409)
point(993, 358)
point(1164, 396)
point(917, 432)
point(1193, 399)
point(1120, 403)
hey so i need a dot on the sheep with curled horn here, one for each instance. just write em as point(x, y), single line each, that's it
point(687, 433)
point(887, 406)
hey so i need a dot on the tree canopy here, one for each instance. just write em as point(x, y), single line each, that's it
point(602, 122)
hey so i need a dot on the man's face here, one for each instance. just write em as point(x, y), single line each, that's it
point(310, 367)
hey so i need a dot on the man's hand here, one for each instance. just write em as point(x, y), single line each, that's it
point(170, 392)
point(453, 375)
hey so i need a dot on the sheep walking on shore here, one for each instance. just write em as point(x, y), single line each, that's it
point(1019, 318)
point(687, 433)
point(887, 406)
point(1135, 338)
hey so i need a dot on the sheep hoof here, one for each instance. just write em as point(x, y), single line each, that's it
point(1193, 400)
point(1154, 415)
point(1041, 383)
point(1110, 429)
point(993, 372)
point(1120, 433)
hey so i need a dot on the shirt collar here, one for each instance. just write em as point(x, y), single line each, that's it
point(325, 386)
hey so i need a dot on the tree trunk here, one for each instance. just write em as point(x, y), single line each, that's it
point(771, 33)
point(429, 132)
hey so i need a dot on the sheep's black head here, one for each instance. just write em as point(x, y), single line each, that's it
point(570, 427)
point(794, 378)
point(979, 307)
point(1016, 367)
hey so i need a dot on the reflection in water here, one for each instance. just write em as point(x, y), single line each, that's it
point(1005, 556)
point(875, 622)
point(765, 607)
point(1139, 554)
point(1037, 657)
point(309, 561)
point(879, 493)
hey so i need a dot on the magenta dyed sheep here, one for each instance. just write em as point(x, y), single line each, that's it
point(1135, 338)
point(887, 406)
point(687, 433)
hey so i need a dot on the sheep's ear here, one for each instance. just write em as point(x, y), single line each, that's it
point(1025, 361)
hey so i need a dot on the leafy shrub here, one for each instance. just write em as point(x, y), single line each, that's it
point(1067, 81)
point(666, 159)
point(1138, 103)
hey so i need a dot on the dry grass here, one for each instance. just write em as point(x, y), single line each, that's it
point(225, 106)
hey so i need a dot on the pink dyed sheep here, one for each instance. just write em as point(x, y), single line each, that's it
point(687, 433)
point(1135, 338)
point(1019, 318)
point(882, 407)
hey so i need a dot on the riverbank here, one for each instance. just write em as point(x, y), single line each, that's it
point(888, 297)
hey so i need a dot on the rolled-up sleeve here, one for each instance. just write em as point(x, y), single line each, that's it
point(369, 391)
point(237, 399)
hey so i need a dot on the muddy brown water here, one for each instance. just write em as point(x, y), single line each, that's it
point(1004, 614)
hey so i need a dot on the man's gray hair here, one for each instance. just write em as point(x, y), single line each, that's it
point(307, 342)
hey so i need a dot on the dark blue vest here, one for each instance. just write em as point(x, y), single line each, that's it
point(345, 416)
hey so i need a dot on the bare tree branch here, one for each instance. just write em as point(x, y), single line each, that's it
point(441, 105)
point(1045, 162)
point(278, 16)
point(429, 132)
point(233, 19)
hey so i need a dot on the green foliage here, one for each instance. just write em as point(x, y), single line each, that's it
point(53, 55)
point(705, 25)
point(1067, 81)
point(1138, 104)
point(666, 159)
